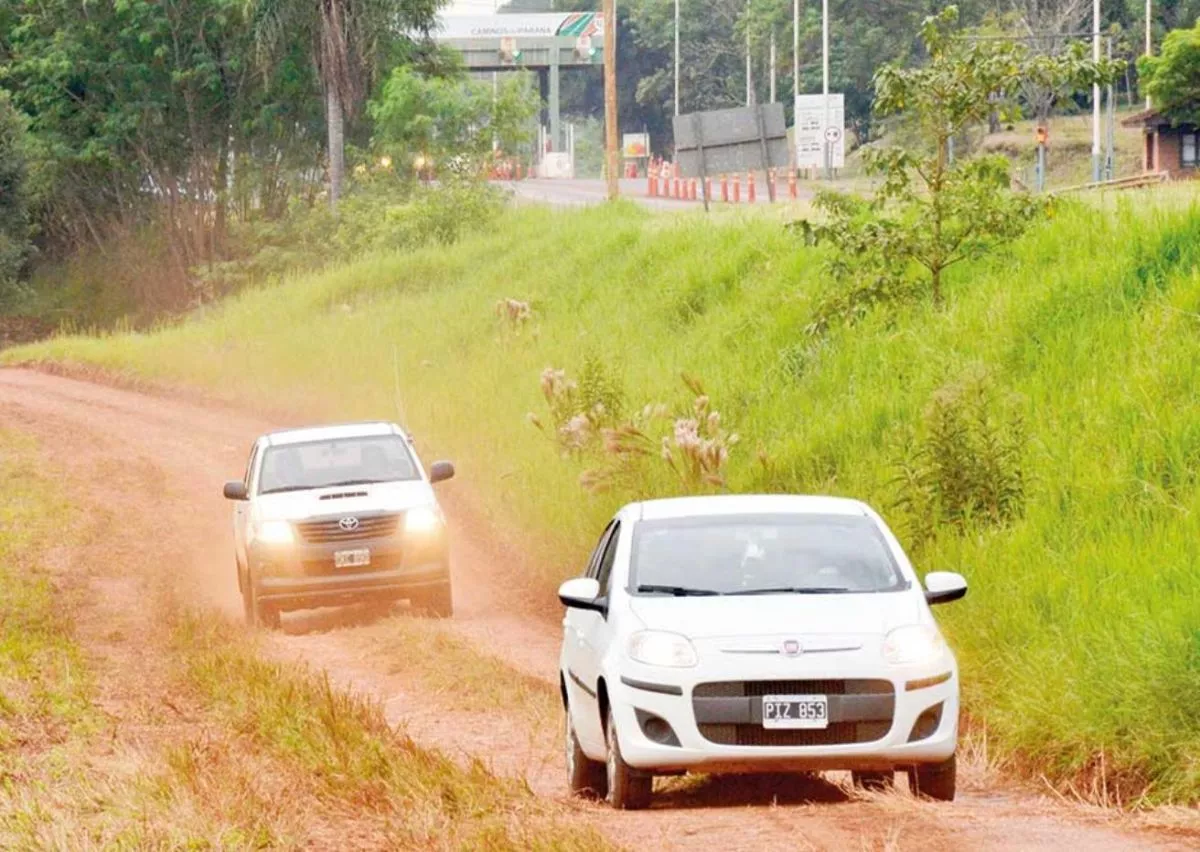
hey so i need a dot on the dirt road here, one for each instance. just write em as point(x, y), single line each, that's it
point(181, 452)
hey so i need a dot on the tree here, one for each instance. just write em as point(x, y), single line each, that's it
point(1172, 79)
point(931, 213)
point(14, 191)
point(444, 116)
point(350, 40)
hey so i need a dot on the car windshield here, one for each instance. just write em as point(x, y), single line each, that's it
point(344, 461)
point(762, 554)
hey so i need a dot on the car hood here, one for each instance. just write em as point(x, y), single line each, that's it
point(771, 615)
point(344, 500)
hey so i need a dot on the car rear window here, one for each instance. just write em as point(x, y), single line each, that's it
point(345, 461)
point(758, 554)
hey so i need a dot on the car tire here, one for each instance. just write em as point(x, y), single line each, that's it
point(874, 782)
point(257, 613)
point(586, 778)
point(436, 602)
point(628, 789)
point(935, 780)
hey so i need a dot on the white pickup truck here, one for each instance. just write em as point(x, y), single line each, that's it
point(332, 515)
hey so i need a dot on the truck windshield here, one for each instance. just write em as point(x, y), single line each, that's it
point(345, 461)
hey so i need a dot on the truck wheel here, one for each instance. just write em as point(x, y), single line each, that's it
point(586, 778)
point(935, 780)
point(628, 789)
point(257, 613)
point(436, 601)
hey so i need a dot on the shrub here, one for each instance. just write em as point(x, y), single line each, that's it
point(966, 465)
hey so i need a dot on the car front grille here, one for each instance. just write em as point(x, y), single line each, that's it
point(331, 529)
point(759, 688)
point(838, 733)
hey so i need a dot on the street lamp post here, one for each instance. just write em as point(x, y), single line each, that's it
point(825, 86)
point(1096, 92)
point(677, 57)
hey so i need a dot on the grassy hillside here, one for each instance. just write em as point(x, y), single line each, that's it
point(1079, 643)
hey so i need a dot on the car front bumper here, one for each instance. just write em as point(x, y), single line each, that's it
point(916, 724)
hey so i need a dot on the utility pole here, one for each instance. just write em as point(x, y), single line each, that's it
point(795, 47)
point(677, 57)
point(1096, 93)
point(825, 85)
point(749, 68)
point(772, 58)
point(1149, 42)
point(610, 97)
point(1110, 142)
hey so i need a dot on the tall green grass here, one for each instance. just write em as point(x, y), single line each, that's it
point(1080, 641)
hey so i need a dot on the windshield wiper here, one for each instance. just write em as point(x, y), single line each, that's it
point(677, 591)
point(283, 488)
point(352, 482)
point(794, 590)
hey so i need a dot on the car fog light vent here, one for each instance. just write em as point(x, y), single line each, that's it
point(926, 724)
point(656, 729)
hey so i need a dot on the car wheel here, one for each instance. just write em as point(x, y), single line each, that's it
point(875, 782)
point(436, 601)
point(269, 616)
point(628, 789)
point(935, 780)
point(585, 777)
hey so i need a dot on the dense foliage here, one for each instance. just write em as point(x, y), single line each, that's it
point(14, 201)
point(1173, 77)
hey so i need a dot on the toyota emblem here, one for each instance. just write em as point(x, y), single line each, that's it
point(791, 648)
point(348, 524)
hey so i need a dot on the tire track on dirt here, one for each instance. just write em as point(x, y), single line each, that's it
point(193, 448)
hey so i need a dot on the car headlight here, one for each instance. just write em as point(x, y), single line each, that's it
point(659, 648)
point(274, 532)
point(422, 520)
point(913, 645)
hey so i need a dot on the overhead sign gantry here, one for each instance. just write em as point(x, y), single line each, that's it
point(543, 43)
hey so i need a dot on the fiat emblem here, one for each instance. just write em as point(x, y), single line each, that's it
point(791, 648)
point(348, 524)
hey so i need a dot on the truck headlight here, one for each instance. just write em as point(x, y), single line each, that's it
point(421, 521)
point(274, 532)
point(660, 648)
point(913, 645)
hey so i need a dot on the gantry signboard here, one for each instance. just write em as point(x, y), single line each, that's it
point(497, 42)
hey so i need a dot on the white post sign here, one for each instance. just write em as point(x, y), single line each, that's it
point(812, 134)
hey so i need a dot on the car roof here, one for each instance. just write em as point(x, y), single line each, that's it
point(748, 504)
point(308, 434)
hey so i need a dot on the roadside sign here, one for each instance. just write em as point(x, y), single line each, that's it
point(635, 146)
point(812, 134)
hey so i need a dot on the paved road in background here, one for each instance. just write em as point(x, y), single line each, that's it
point(581, 193)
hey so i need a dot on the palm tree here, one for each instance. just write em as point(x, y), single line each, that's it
point(349, 40)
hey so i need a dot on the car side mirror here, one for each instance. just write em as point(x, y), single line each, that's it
point(440, 471)
point(944, 586)
point(236, 490)
point(582, 593)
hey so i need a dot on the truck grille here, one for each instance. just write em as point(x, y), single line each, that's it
point(331, 529)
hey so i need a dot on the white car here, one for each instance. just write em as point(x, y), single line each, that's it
point(338, 514)
point(750, 634)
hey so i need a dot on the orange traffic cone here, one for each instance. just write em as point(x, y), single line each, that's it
point(750, 195)
point(737, 189)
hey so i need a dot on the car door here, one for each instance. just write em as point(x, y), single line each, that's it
point(594, 637)
point(581, 673)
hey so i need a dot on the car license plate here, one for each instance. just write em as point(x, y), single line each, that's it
point(351, 558)
point(795, 711)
